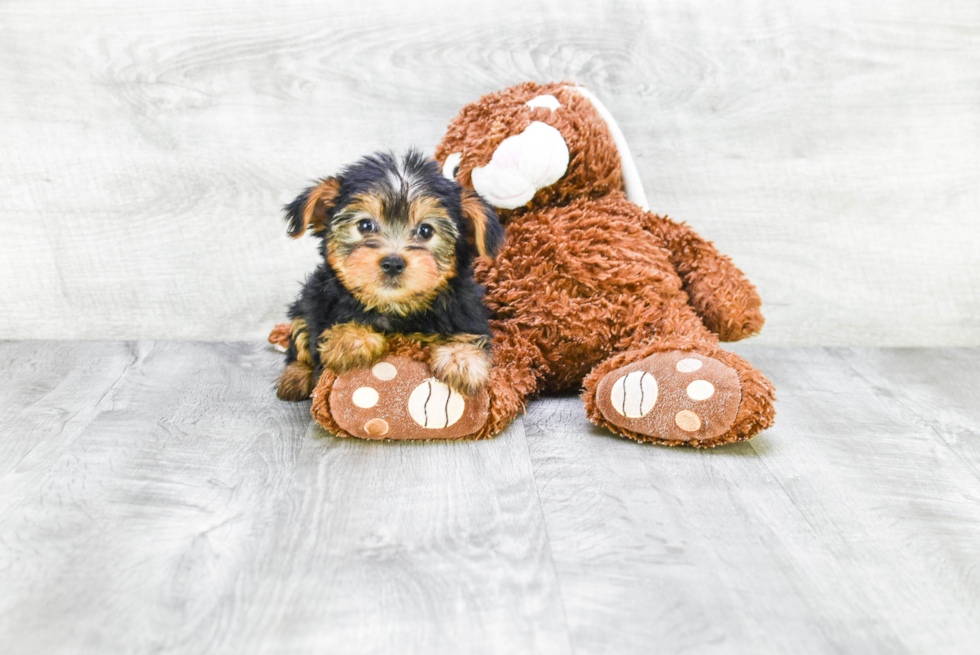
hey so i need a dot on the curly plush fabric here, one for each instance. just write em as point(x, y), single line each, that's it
point(588, 283)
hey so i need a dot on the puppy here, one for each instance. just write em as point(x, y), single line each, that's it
point(397, 240)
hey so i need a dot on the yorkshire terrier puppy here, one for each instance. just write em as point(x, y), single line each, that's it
point(398, 241)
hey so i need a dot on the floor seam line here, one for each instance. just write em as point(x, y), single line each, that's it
point(547, 534)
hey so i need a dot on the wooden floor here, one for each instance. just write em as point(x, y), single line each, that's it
point(156, 497)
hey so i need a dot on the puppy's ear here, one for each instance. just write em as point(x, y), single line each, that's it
point(313, 208)
point(486, 234)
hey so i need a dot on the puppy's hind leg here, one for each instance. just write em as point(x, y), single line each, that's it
point(296, 382)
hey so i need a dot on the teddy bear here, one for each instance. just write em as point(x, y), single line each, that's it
point(590, 291)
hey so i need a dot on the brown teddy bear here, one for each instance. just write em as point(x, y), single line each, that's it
point(590, 291)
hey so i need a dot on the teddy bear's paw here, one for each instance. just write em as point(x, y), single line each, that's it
point(279, 337)
point(674, 396)
point(398, 398)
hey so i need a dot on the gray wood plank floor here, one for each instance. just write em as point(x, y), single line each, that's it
point(156, 497)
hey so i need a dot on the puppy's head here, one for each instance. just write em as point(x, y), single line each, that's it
point(396, 232)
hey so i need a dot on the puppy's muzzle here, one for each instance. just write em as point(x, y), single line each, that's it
point(393, 265)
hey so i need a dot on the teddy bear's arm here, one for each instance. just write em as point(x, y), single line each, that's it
point(726, 300)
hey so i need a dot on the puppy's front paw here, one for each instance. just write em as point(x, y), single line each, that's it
point(350, 346)
point(464, 367)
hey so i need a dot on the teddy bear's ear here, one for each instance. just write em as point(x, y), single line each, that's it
point(313, 208)
point(486, 234)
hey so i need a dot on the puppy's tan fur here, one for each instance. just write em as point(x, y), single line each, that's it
point(296, 382)
point(461, 362)
point(350, 346)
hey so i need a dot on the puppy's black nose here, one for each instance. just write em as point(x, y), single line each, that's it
point(393, 265)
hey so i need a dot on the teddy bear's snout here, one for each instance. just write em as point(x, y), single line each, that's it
point(522, 164)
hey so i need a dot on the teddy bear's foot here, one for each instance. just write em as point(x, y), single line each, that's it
point(398, 398)
point(674, 397)
point(279, 337)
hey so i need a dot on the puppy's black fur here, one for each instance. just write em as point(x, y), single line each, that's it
point(404, 193)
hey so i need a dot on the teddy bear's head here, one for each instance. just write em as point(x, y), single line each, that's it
point(538, 145)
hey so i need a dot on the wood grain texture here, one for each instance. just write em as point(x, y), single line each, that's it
point(183, 509)
point(832, 150)
point(852, 526)
point(156, 497)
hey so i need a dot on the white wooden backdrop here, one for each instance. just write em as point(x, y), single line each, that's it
point(832, 148)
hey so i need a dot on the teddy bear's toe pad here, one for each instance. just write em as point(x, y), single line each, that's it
point(398, 398)
point(673, 396)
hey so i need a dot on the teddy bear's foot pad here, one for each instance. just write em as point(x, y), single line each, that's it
point(673, 396)
point(398, 398)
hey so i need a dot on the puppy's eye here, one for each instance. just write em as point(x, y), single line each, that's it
point(425, 231)
point(365, 225)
